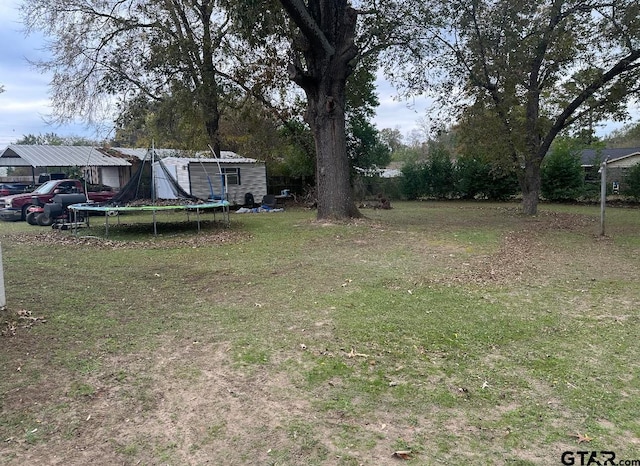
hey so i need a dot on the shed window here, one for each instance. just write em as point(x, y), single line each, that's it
point(231, 176)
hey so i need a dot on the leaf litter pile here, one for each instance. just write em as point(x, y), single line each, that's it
point(522, 253)
point(11, 321)
point(64, 238)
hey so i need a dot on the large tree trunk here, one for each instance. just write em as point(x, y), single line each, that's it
point(212, 124)
point(209, 92)
point(322, 60)
point(530, 184)
point(335, 199)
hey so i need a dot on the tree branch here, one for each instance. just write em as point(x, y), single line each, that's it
point(298, 12)
point(626, 64)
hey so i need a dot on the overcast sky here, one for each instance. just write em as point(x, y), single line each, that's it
point(24, 104)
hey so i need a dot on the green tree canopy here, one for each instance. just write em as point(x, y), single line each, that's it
point(537, 67)
point(182, 61)
point(628, 136)
point(328, 39)
point(53, 139)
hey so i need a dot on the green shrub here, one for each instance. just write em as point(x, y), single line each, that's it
point(632, 182)
point(476, 178)
point(562, 175)
point(440, 174)
point(414, 180)
point(432, 178)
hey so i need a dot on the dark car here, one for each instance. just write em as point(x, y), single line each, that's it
point(7, 189)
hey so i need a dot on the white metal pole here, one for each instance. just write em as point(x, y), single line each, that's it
point(3, 298)
point(603, 194)
point(153, 186)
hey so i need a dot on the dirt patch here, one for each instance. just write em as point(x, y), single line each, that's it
point(189, 402)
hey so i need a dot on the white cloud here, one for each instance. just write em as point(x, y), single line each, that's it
point(20, 106)
point(404, 115)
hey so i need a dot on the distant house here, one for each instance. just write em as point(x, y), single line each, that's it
point(618, 162)
point(95, 166)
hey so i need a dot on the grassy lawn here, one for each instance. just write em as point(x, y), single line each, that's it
point(464, 333)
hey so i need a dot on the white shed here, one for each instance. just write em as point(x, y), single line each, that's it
point(205, 177)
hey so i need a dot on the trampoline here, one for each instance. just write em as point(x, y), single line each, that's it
point(152, 183)
point(109, 210)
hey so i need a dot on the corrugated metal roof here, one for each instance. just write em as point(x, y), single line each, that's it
point(57, 156)
point(226, 156)
point(79, 156)
point(223, 160)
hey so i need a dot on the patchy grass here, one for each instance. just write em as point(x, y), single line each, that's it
point(464, 333)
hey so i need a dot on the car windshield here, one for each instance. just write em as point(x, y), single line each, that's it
point(46, 188)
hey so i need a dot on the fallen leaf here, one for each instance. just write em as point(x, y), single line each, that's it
point(581, 438)
point(353, 354)
point(402, 454)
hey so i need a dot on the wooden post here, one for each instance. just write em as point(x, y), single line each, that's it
point(3, 298)
point(603, 194)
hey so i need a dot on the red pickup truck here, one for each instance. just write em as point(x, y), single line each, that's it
point(15, 207)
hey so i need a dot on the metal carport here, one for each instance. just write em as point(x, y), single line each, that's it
point(42, 156)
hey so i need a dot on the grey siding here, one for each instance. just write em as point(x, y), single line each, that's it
point(626, 162)
point(617, 170)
